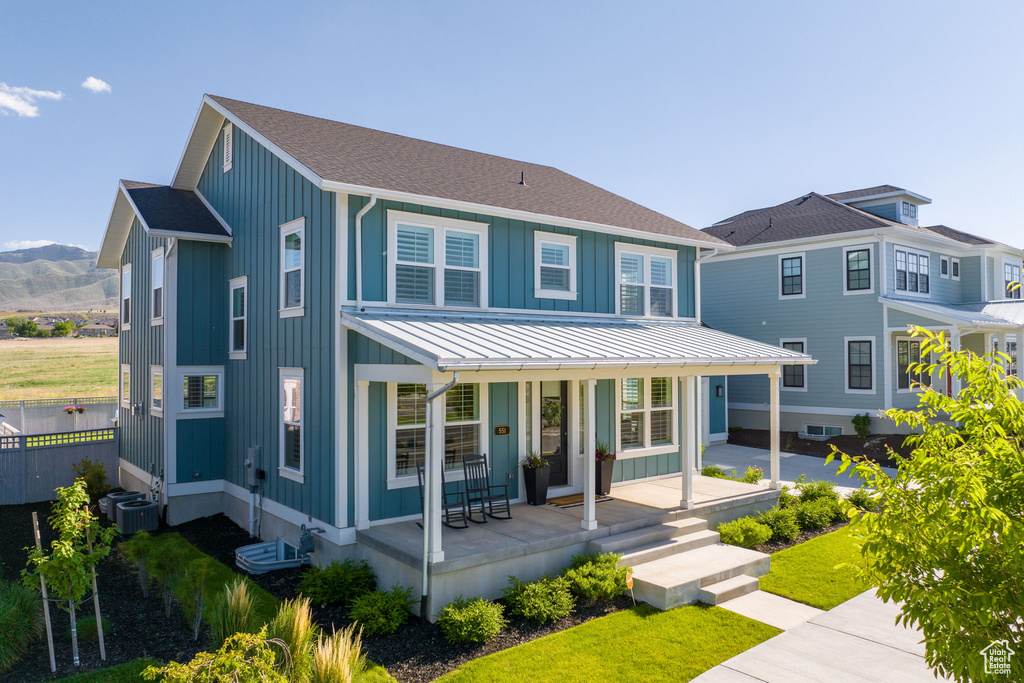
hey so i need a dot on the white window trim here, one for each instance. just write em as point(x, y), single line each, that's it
point(243, 284)
point(1014, 263)
point(801, 340)
point(803, 276)
point(895, 276)
point(228, 150)
point(289, 472)
point(126, 399)
point(846, 365)
point(871, 270)
point(123, 326)
point(896, 359)
point(647, 449)
point(807, 426)
point(539, 238)
point(410, 480)
point(440, 226)
point(154, 371)
point(184, 371)
point(671, 254)
point(291, 227)
point(951, 270)
point(153, 319)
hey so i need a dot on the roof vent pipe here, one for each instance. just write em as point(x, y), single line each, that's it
point(359, 250)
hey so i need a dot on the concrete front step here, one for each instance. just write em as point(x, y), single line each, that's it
point(646, 536)
point(677, 579)
point(723, 591)
point(672, 546)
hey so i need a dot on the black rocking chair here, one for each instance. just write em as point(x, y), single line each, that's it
point(453, 503)
point(491, 500)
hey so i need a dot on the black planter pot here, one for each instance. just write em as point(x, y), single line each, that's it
point(537, 484)
point(603, 480)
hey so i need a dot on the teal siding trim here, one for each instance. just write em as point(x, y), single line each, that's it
point(201, 445)
point(716, 405)
point(888, 211)
point(255, 198)
point(141, 436)
point(511, 260)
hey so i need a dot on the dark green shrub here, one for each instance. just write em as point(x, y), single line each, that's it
point(596, 577)
point(337, 583)
point(746, 532)
point(819, 513)
point(714, 471)
point(782, 522)
point(382, 612)
point(862, 500)
point(735, 428)
point(814, 490)
point(21, 622)
point(95, 476)
point(471, 621)
point(752, 475)
point(787, 499)
point(862, 425)
point(242, 657)
point(546, 599)
point(87, 628)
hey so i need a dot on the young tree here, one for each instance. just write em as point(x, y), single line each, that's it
point(949, 541)
point(63, 329)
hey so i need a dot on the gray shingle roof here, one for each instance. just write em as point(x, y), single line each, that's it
point(866, 192)
point(958, 235)
point(368, 158)
point(165, 209)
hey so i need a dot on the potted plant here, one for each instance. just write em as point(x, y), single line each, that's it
point(605, 465)
point(536, 472)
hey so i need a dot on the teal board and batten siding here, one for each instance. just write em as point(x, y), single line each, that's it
point(258, 195)
point(142, 346)
point(511, 260)
point(888, 211)
point(741, 296)
point(716, 405)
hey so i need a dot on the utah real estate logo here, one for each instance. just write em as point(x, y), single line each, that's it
point(997, 657)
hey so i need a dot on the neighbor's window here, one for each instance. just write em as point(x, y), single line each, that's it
point(944, 266)
point(461, 431)
point(555, 265)
point(291, 407)
point(824, 430)
point(792, 272)
point(908, 353)
point(955, 268)
point(645, 412)
point(126, 384)
point(156, 389)
point(793, 375)
point(858, 270)
point(239, 292)
point(646, 280)
point(157, 276)
point(229, 147)
point(126, 297)
point(858, 361)
point(910, 210)
point(1011, 280)
point(1011, 351)
point(293, 262)
point(201, 392)
point(912, 271)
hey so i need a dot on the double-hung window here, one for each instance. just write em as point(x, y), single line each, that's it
point(858, 269)
point(791, 275)
point(909, 210)
point(293, 267)
point(954, 267)
point(794, 376)
point(156, 390)
point(646, 280)
point(239, 303)
point(554, 258)
point(646, 412)
point(157, 294)
point(408, 406)
point(859, 365)
point(908, 355)
point(436, 261)
point(126, 386)
point(292, 443)
point(201, 391)
point(944, 267)
point(912, 271)
point(126, 297)
point(1011, 279)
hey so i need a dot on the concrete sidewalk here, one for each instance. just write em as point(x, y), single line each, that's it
point(729, 456)
point(856, 641)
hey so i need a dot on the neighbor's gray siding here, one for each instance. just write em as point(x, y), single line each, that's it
point(970, 279)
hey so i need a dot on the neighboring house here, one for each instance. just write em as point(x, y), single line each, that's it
point(294, 295)
point(5, 331)
point(840, 277)
point(96, 330)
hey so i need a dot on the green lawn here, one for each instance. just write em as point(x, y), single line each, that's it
point(58, 368)
point(125, 673)
point(642, 643)
point(807, 572)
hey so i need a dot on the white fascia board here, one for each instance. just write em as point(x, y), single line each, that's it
point(885, 195)
point(115, 236)
point(191, 236)
point(216, 214)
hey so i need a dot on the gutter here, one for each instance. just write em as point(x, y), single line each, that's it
point(359, 249)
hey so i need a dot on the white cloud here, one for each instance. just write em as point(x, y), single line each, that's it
point(21, 101)
point(96, 85)
point(18, 245)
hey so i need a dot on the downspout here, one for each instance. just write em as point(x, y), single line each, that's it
point(696, 281)
point(427, 495)
point(359, 250)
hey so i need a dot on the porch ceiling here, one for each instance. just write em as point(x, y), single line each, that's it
point(471, 342)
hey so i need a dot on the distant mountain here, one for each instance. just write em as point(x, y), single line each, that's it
point(56, 277)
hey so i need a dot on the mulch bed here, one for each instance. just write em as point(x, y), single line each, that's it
point(775, 546)
point(874, 447)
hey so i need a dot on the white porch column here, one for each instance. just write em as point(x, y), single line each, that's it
point(434, 461)
point(362, 460)
point(1001, 342)
point(954, 382)
point(589, 466)
point(773, 381)
point(689, 437)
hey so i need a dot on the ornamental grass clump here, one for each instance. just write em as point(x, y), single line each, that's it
point(745, 532)
point(596, 577)
point(546, 599)
point(139, 550)
point(233, 612)
point(782, 523)
point(293, 625)
point(21, 622)
point(168, 569)
point(382, 612)
point(338, 658)
point(194, 590)
point(471, 621)
point(337, 583)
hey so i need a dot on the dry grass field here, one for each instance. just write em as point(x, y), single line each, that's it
point(57, 368)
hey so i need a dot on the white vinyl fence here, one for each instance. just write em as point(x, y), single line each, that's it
point(50, 416)
point(32, 466)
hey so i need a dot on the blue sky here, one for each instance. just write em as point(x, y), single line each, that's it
point(699, 110)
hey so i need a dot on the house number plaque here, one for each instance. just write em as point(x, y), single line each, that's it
point(502, 430)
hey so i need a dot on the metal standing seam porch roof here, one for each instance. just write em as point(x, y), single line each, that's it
point(447, 342)
point(974, 315)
